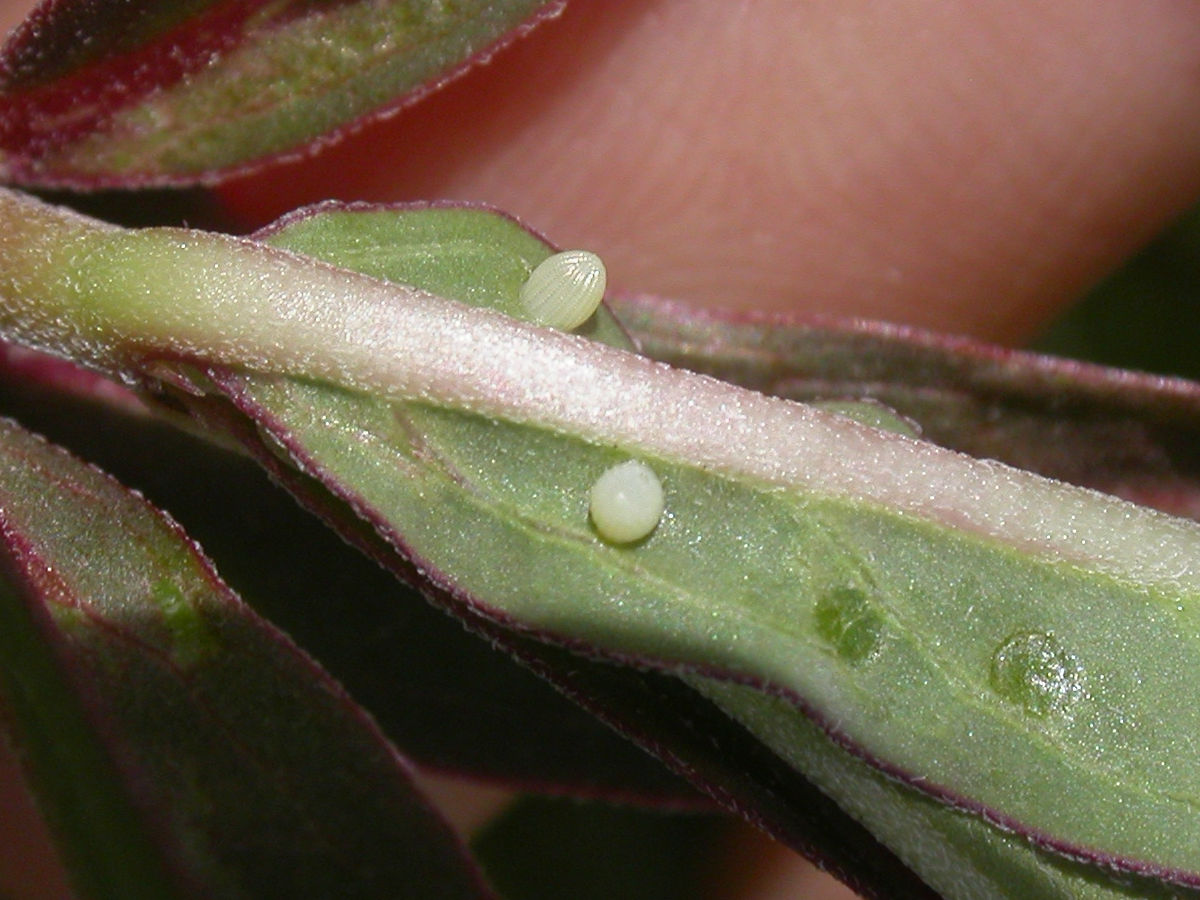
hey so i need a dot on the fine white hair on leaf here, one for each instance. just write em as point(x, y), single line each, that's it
point(626, 502)
point(564, 289)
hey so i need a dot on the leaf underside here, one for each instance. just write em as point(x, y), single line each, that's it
point(463, 475)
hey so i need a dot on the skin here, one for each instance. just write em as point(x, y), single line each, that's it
point(967, 167)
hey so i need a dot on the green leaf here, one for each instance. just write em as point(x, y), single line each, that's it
point(1002, 642)
point(182, 747)
point(502, 466)
point(988, 858)
point(185, 92)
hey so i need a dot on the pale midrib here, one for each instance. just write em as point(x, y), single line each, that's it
point(239, 303)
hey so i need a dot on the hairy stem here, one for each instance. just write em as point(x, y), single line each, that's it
point(111, 297)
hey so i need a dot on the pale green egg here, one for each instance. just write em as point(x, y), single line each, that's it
point(626, 502)
point(564, 289)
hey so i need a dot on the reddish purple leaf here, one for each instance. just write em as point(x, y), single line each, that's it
point(190, 92)
point(182, 747)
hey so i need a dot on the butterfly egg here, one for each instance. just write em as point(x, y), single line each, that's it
point(626, 502)
point(564, 289)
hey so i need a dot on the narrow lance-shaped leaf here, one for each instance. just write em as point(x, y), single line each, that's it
point(184, 92)
point(946, 618)
point(181, 746)
point(959, 854)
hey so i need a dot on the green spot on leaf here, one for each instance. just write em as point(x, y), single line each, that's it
point(846, 619)
point(192, 640)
